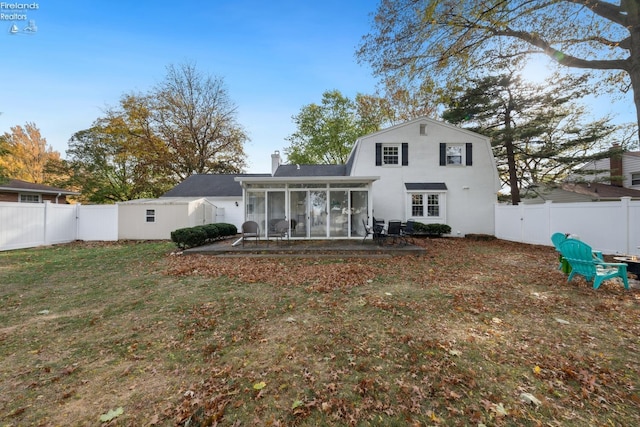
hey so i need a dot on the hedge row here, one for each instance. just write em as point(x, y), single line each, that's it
point(202, 234)
point(431, 229)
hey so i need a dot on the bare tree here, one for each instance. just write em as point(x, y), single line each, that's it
point(193, 115)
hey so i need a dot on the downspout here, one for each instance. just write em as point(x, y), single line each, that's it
point(59, 194)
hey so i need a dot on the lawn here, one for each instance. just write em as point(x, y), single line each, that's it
point(472, 333)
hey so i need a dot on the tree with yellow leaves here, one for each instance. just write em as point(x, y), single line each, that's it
point(27, 154)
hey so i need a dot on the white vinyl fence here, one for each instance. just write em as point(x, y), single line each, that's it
point(610, 227)
point(25, 225)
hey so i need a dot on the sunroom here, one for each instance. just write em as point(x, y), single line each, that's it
point(315, 207)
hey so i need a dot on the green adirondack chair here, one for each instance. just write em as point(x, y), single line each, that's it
point(557, 239)
point(580, 257)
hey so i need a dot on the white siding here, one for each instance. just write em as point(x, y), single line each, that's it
point(471, 190)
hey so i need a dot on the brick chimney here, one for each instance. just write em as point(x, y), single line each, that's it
point(275, 162)
point(615, 165)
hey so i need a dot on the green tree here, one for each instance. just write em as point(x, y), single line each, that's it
point(106, 167)
point(437, 42)
point(537, 131)
point(326, 132)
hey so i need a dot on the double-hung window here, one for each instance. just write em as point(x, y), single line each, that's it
point(390, 154)
point(426, 200)
point(151, 215)
point(635, 178)
point(456, 154)
point(425, 205)
point(417, 205)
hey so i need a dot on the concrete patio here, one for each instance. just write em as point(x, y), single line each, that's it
point(308, 248)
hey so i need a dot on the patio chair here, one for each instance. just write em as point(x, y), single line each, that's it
point(250, 230)
point(378, 233)
point(408, 230)
point(580, 257)
point(394, 230)
point(279, 231)
point(367, 230)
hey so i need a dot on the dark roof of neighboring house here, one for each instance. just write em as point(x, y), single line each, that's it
point(19, 186)
point(580, 192)
point(310, 170)
point(210, 185)
point(600, 190)
point(425, 186)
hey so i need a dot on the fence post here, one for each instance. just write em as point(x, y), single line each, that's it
point(45, 228)
point(547, 208)
point(624, 205)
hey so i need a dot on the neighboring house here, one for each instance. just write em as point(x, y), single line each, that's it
point(601, 180)
point(576, 192)
point(423, 170)
point(15, 190)
point(619, 171)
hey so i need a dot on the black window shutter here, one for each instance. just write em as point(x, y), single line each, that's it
point(378, 154)
point(443, 154)
point(405, 154)
point(469, 156)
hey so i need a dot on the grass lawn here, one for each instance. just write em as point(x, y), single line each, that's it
point(473, 333)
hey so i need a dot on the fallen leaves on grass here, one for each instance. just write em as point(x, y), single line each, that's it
point(319, 276)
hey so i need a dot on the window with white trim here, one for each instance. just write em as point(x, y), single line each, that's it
point(390, 154)
point(454, 154)
point(433, 205)
point(151, 215)
point(426, 205)
point(30, 198)
point(417, 205)
point(635, 178)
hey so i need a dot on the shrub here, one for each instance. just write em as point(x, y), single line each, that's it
point(189, 237)
point(431, 229)
point(201, 234)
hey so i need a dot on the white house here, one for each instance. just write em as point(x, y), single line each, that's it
point(431, 172)
point(423, 170)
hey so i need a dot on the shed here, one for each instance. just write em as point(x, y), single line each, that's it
point(155, 219)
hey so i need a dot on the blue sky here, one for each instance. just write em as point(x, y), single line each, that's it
point(274, 57)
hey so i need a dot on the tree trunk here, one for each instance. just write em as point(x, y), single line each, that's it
point(511, 158)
